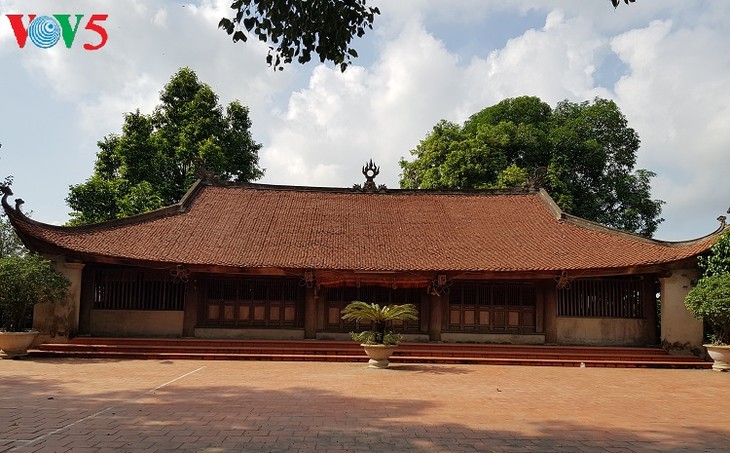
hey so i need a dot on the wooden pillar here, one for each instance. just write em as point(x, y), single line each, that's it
point(320, 307)
point(87, 300)
point(435, 304)
point(650, 308)
point(539, 308)
point(550, 314)
point(193, 304)
point(310, 314)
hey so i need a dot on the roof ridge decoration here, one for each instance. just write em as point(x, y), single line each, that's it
point(177, 208)
point(7, 191)
point(370, 171)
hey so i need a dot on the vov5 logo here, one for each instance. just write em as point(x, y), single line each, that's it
point(46, 31)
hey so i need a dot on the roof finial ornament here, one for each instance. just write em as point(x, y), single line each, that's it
point(370, 171)
point(722, 219)
point(6, 191)
point(537, 179)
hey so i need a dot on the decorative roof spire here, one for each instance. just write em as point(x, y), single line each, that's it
point(370, 171)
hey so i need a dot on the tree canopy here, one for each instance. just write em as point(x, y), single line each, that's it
point(299, 28)
point(583, 154)
point(717, 262)
point(156, 158)
point(296, 29)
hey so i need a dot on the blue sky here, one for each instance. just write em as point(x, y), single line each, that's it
point(665, 63)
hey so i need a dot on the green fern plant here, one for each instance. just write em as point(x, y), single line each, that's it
point(380, 318)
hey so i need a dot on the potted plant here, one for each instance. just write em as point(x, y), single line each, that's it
point(379, 342)
point(709, 301)
point(25, 280)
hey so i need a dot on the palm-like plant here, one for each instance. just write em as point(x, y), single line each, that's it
point(380, 318)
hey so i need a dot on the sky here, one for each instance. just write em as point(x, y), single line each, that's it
point(665, 63)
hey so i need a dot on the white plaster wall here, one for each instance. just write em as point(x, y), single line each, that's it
point(58, 321)
point(680, 330)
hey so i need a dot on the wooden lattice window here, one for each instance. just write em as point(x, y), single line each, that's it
point(134, 289)
point(339, 297)
point(254, 302)
point(602, 298)
point(492, 307)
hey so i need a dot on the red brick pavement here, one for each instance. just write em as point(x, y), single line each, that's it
point(210, 406)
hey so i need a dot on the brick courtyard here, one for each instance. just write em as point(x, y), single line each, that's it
point(225, 406)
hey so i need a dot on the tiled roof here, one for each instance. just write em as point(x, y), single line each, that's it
point(254, 226)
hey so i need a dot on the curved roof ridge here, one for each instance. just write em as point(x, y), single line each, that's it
point(177, 208)
point(595, 226)
point(349, 190)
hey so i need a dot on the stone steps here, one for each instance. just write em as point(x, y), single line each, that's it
point(339, 351)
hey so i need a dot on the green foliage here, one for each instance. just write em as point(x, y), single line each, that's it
point(616, 2)
point(587, 148)
point(380, 318)
point(157, 157)
point(299, 28)
point(370, 337)
point(10, 244)
point(25, 281)
point(709, 301)
point(718, 261)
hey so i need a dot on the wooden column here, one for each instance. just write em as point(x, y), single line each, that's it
point(310, 314)
point(550, 316)
point(650, 308)
point(435, 304)
point(193, 304)
point(320, 307)
point(87, 300)
point(539, 308)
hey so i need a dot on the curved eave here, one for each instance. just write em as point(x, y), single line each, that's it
point(21, 222)
point(590, 225)
point(33, 234)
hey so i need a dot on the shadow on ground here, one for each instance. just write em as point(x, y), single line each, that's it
point(225, 414)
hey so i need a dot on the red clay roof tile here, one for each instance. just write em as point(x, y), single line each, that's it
point(254, 226)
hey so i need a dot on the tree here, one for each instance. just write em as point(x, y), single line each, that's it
point(585, 152)
point(299, 28)
point(10, 243)
point(157, 157)
point(709, 301)
point(616, 2)
point(717, 262)
point(25, 281)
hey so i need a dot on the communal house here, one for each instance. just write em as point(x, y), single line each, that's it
point(234, 260)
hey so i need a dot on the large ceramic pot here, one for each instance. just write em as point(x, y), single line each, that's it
point(16, 344)
point(379, 354)
point(721, 356)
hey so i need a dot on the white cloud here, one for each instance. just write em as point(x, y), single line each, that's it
point(676, 97)
point(384, 111)
point(319, 126)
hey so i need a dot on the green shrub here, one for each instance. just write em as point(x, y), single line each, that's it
point(25, 281)
point(709, 301)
